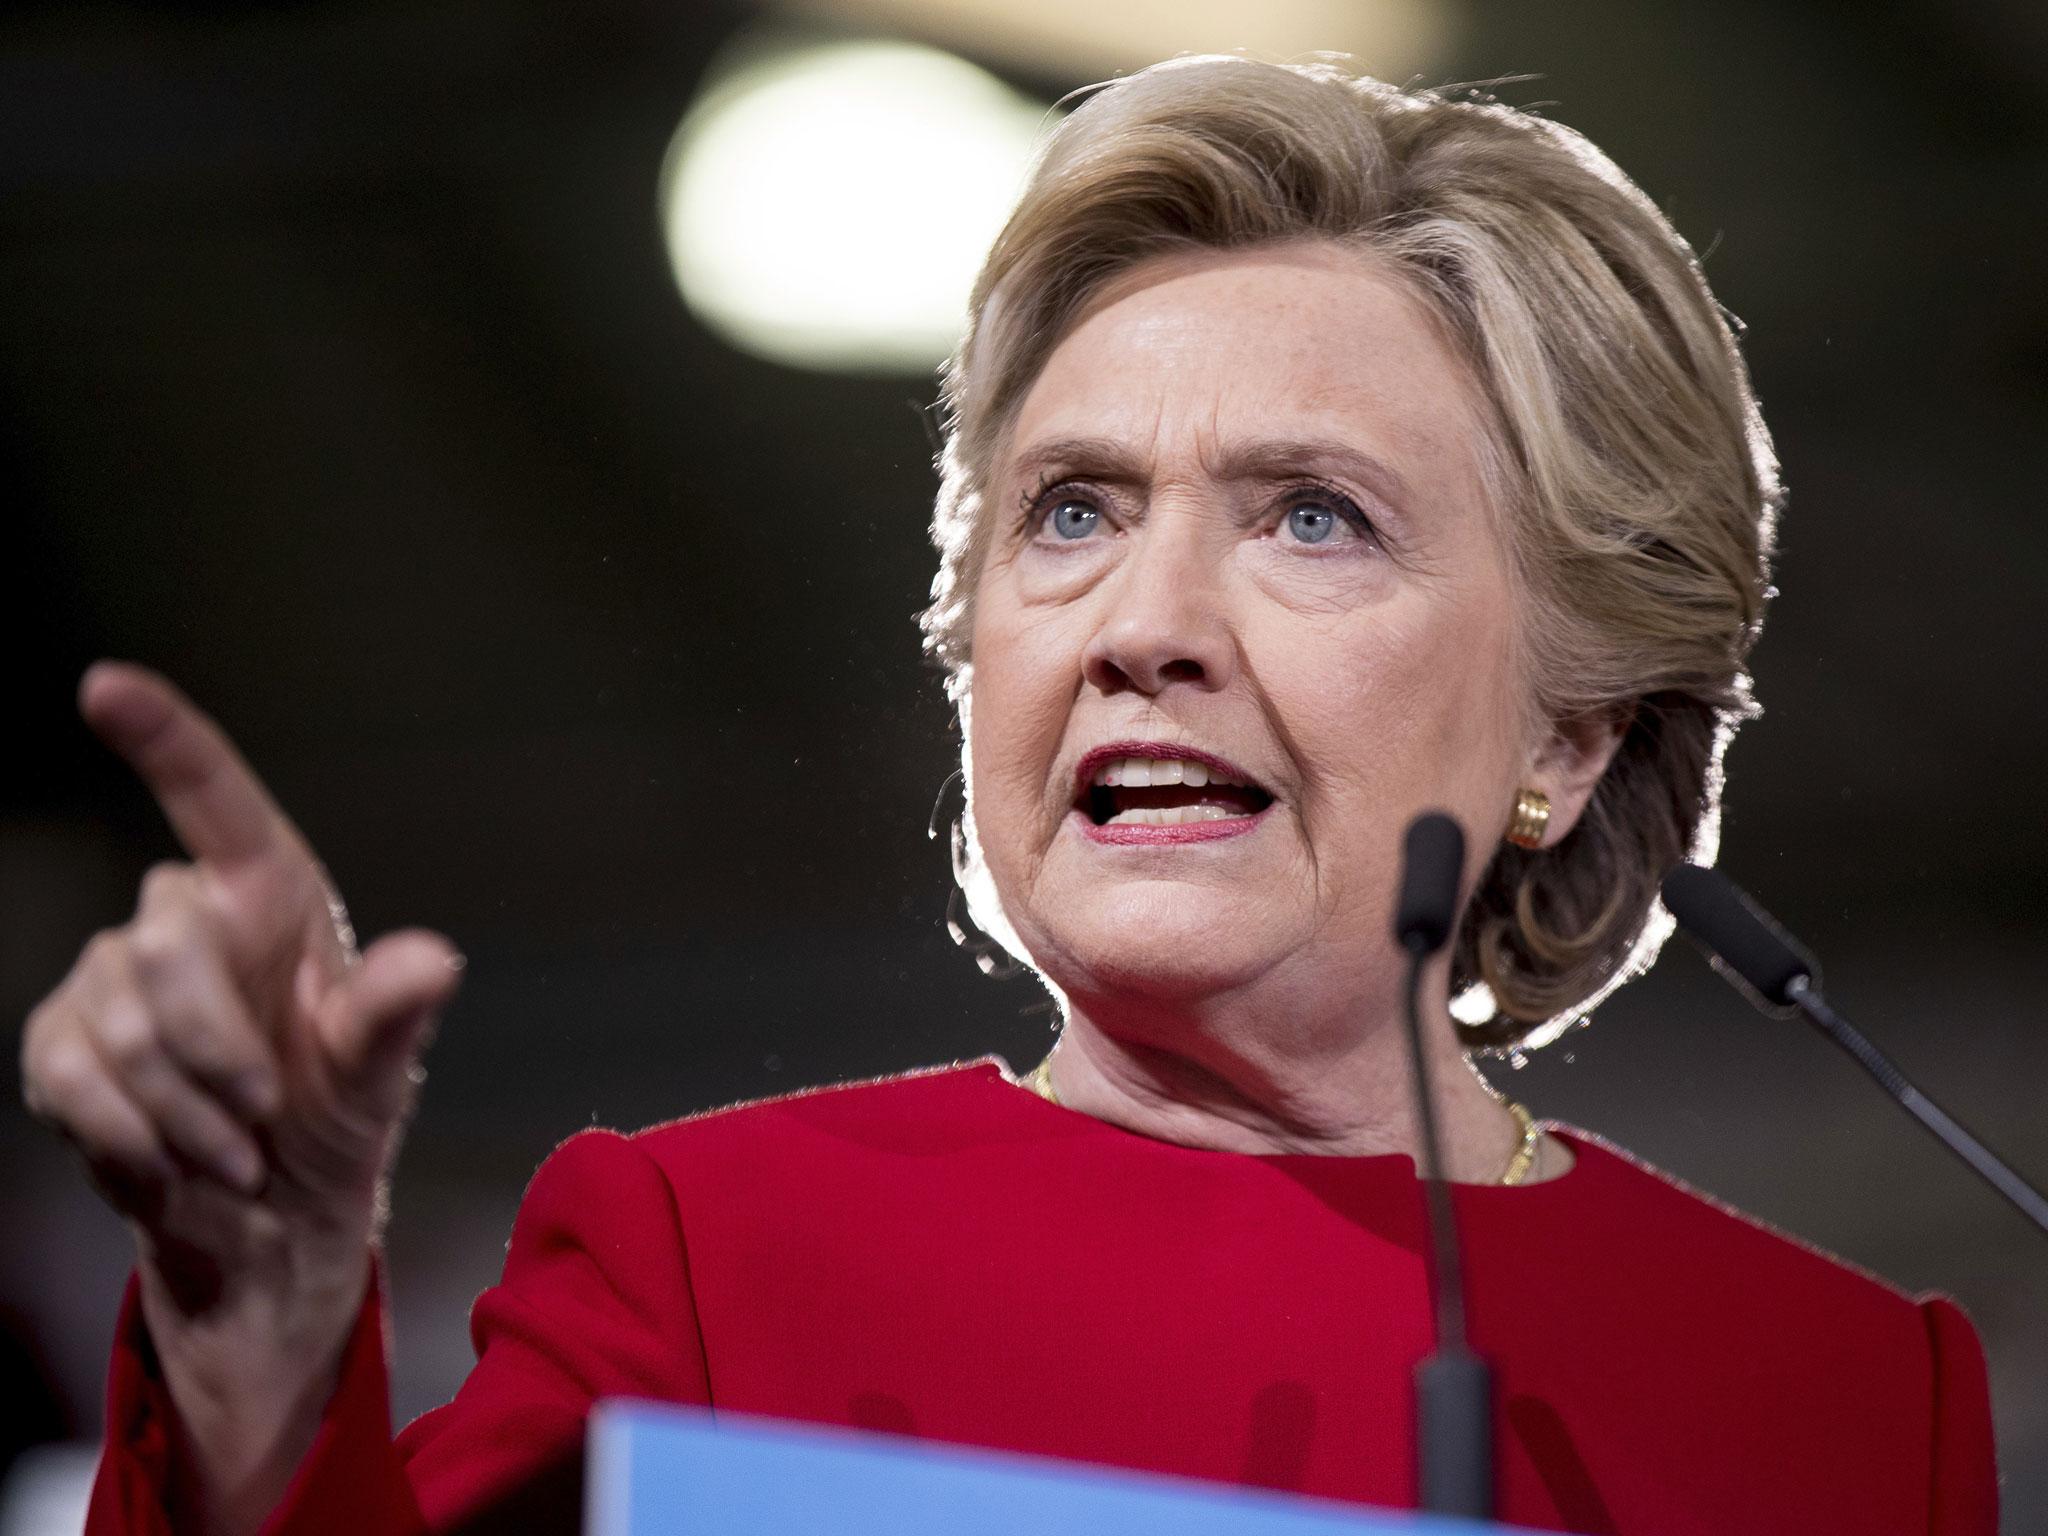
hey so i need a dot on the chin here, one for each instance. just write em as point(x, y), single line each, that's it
point(1160, 946)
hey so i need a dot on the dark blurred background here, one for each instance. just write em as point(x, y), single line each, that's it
point(344, 377)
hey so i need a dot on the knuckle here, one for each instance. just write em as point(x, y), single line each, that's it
point(164, 881)
point(100, 961)
point(61, 1075)
point(35, 1030)
point(101, 950)
point(126, 1032)
point(158, 941)
point(44, 1068)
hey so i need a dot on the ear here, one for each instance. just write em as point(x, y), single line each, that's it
point(1568, 766)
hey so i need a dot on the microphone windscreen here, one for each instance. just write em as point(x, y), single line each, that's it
point(1432, 863)
point(1719, 916)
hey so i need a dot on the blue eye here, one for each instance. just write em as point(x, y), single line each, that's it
point(1311, 523)
point(1074, 519)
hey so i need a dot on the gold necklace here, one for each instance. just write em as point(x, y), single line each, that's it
point(1520, 1162)
point(1039, 1081)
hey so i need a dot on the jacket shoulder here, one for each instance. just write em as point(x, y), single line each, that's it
point(1691, 1225)
point(1768, 1314)
point(925, 1112)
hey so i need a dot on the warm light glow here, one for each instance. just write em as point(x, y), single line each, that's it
point(828, 205)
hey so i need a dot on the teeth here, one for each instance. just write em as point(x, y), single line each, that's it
point(1149, 772)
point(1177, 816)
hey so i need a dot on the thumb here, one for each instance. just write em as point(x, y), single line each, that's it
point(376, 1020)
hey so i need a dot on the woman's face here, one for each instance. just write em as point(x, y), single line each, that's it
point(1241, 534)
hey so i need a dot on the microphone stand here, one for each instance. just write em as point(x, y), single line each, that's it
point(1776, 973)
point(1453, 1387)
point(1804, 996)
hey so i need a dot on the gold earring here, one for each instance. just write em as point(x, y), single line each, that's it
point(1532, 815)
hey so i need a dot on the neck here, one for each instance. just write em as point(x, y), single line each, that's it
point(1204, 1076)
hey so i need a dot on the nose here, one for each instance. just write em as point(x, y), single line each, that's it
point(1163, 620)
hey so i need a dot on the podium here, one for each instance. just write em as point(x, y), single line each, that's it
point(662, 1470)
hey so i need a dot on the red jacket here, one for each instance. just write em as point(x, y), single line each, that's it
point(947, 1255)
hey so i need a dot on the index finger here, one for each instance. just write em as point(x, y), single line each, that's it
point(212, 798)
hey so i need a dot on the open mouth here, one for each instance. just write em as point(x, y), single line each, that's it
point(1132, 790)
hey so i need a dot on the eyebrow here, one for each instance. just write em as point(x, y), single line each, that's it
point(1102, 458)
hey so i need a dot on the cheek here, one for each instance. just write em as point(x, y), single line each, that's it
point(1022, 694)
point(1405, 711)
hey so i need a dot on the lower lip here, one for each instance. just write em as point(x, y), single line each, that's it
point(1139, 835)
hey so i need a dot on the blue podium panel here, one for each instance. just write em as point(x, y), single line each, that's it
point(662, 1470)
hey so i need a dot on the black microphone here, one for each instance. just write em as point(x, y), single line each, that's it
point(1743, 941)
point(1771, 968)
point(1453, 1387)
point(1432, 864)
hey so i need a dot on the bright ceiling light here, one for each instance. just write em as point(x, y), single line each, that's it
point(827, 205)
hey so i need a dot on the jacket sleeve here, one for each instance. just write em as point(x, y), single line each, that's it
point(1964, 1492)
point(594, 1302)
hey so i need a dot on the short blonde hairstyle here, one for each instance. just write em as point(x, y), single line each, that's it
point(1635, 483)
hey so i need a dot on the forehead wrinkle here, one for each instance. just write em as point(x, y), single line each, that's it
point(1349, 401)
point(1366, 432)
point(1222, 460)
point(1269, 459)
point(1212, 448)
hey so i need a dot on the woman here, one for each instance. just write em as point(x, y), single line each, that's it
point(1319, 453)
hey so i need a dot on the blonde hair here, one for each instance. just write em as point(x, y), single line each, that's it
point(1635, 483)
